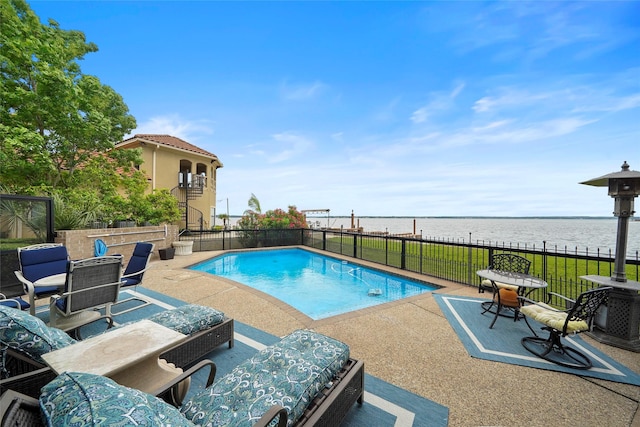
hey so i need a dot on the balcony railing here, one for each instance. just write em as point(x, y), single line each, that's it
point(188, 180)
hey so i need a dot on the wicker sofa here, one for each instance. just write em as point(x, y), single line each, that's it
point(306, 379)
point(24, 338)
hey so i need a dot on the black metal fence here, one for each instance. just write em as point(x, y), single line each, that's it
point(456, 261)
point(24, 220)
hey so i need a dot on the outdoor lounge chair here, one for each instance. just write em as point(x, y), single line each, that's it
point(25, 338)
point(258, 392)
point(91, 284)
point(560, 323)
point(39, 261)
point(134, 272)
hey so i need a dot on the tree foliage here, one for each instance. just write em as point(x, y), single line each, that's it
point(277, 218)
point(57, 125)
point(53, 117)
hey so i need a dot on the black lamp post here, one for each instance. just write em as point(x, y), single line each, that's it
point(622, 326)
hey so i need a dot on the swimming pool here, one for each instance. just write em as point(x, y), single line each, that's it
point(318, 286)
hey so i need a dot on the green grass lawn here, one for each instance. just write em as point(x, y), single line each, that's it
point(459, 262)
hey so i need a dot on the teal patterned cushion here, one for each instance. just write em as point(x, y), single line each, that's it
point(189, 319)
point(290, 373)
point(77, 399)
point(22, 331)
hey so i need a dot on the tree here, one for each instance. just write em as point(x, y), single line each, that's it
point(278, 218)
point(254, 205)
point(158, 207)
point(254, 219)
point(225, 218)
point(54, 120)
point(57, 125)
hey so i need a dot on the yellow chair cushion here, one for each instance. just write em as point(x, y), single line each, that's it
point(549, 316)
point(487, 282)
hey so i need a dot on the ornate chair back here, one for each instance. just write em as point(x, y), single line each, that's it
point(585, 307)
point(510, 262)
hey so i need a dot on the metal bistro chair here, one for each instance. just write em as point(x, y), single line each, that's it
point(560, 323)
point(91, 284)
point(504, 296)
point(505, 262)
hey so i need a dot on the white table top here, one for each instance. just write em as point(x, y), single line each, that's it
point(517, 279)
point(114, 351)
point(54, 280)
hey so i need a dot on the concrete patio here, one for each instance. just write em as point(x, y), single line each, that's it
point(410, 344)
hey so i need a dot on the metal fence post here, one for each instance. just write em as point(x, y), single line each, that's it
point(470, 263)
point(421, 256)
point(544, 260)
point(355, 246)
point(386, 250)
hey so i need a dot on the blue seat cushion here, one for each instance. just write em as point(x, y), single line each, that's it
point(189, 319)
point(79, 399)
point(16, 302)
point(137, 262)
point(290, 373)
point(130, 281)
point(38, 263)
point(24, 332)
point(46, 290)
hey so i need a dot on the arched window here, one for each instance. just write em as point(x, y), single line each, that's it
point(185, 177)
point(201, 175)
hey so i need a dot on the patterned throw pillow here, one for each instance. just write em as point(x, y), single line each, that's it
point(78, 399)
point(189, 319)
point(289, 373)
point(24, 332)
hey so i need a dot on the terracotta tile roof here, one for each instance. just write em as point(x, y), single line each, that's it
point(168, 140)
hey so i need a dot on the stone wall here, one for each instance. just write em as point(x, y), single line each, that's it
point(80, 243)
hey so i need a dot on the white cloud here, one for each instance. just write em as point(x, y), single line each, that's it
point(438, 102)
point(514, 97)
point(420, 115)
point(285, 146)
point(532, 31)
point(298, 92)
point(337, 136)
point(175, 125)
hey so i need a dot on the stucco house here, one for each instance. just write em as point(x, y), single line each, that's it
point(189, 172)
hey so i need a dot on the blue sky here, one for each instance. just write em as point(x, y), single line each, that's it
point(383, 108)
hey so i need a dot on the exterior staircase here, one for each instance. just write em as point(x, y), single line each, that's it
point(185, 191)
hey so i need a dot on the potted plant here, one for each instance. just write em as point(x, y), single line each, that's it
point(167, 253)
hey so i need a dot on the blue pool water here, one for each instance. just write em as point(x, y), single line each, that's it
point(316, 285)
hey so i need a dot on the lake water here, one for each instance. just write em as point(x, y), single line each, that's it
point(572, 233)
